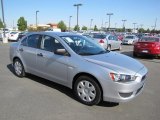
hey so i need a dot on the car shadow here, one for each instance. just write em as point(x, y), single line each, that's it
point(65, 90)
point(10, 67)
point(147, 58)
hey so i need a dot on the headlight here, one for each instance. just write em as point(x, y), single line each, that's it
point(122, 77)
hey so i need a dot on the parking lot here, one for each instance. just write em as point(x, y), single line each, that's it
point(34, 98)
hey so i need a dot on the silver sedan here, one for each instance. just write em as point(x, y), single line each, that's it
point(108, 41)
point(77, 62)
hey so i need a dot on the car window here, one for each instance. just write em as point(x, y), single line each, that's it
point(24, 41)
point(99, 36)
point(51, 44)
point(111, 37)
point(83, 46)
point(130, 37)
point(13, 32)
point(150, 39)
point(32, 41)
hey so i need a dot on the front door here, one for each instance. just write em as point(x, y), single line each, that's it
point(50, 65)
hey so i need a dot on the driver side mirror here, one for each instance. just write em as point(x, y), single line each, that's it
point(61, 52)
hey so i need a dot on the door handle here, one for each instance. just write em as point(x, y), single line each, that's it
point(40, 54)
point(21, 49)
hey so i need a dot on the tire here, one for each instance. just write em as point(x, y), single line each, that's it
point(18, 68)
point(87, 90)
point(109, 47)
point(134, 54)
point(120, 47)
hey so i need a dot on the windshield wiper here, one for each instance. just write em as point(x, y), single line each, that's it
point(83, 53)
point(102, 52)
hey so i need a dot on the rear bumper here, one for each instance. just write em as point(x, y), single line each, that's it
point(151, 52)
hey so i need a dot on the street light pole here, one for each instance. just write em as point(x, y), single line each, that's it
point(5, 40)
point(124, 24)
point(134, 26)
point(36, 18)
point(69, 23)
point(109, 14)
point(77, 5)
point(91, 24)
point(106, 25)
point(155, 24)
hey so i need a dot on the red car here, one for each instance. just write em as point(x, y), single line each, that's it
point(148, 45)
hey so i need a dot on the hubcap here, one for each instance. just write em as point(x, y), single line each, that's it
point(18, 68)
point(86, 91)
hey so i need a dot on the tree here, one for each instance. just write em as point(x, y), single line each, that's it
point(148, 30)
point(84, 28)
point(76, 28)
point(62, 26)
point(95, 28)
point(22, 24)
point(141, 30)
point(129, 30)
point(1, 24)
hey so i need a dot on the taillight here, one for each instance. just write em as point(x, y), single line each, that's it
point(101, 41)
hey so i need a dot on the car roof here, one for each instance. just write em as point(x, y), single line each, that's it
point(151, 37)
point(51, 33)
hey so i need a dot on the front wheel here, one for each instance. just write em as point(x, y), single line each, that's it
point(18, 68)
point(87, 90)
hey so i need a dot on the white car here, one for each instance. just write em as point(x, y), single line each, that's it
point(130, 39)
point(6, 34)
point(13, 36)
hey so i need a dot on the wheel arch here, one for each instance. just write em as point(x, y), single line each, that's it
point(89, 75)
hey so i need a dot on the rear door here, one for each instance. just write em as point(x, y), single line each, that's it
point(28, 51)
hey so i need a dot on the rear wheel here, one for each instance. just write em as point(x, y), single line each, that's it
point(109, 47)
point(87, 90)
point(18, 68)
point(120, 47)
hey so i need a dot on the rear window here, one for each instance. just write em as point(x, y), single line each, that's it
point(13, 32)
point(99, 36)
point(150, 39)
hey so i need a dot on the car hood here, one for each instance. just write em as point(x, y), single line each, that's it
point(117, 62)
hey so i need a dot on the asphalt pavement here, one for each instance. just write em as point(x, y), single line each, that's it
point(34, 98)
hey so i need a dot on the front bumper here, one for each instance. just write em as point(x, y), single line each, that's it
point(123, 92)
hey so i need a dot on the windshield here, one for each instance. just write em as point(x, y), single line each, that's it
point(83, 46)
point(129, 37)
point(150, 39)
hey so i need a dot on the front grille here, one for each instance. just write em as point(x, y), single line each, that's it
point(125, 95)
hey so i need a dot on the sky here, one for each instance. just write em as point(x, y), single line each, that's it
point(52, 11)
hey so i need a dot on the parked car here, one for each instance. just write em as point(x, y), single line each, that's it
point(21, 35)
point(13, 36)
point(79, 63)
point(108, 41)
point(120, 37)
point(147, 46)
point(6, 34)
point(130, 39)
